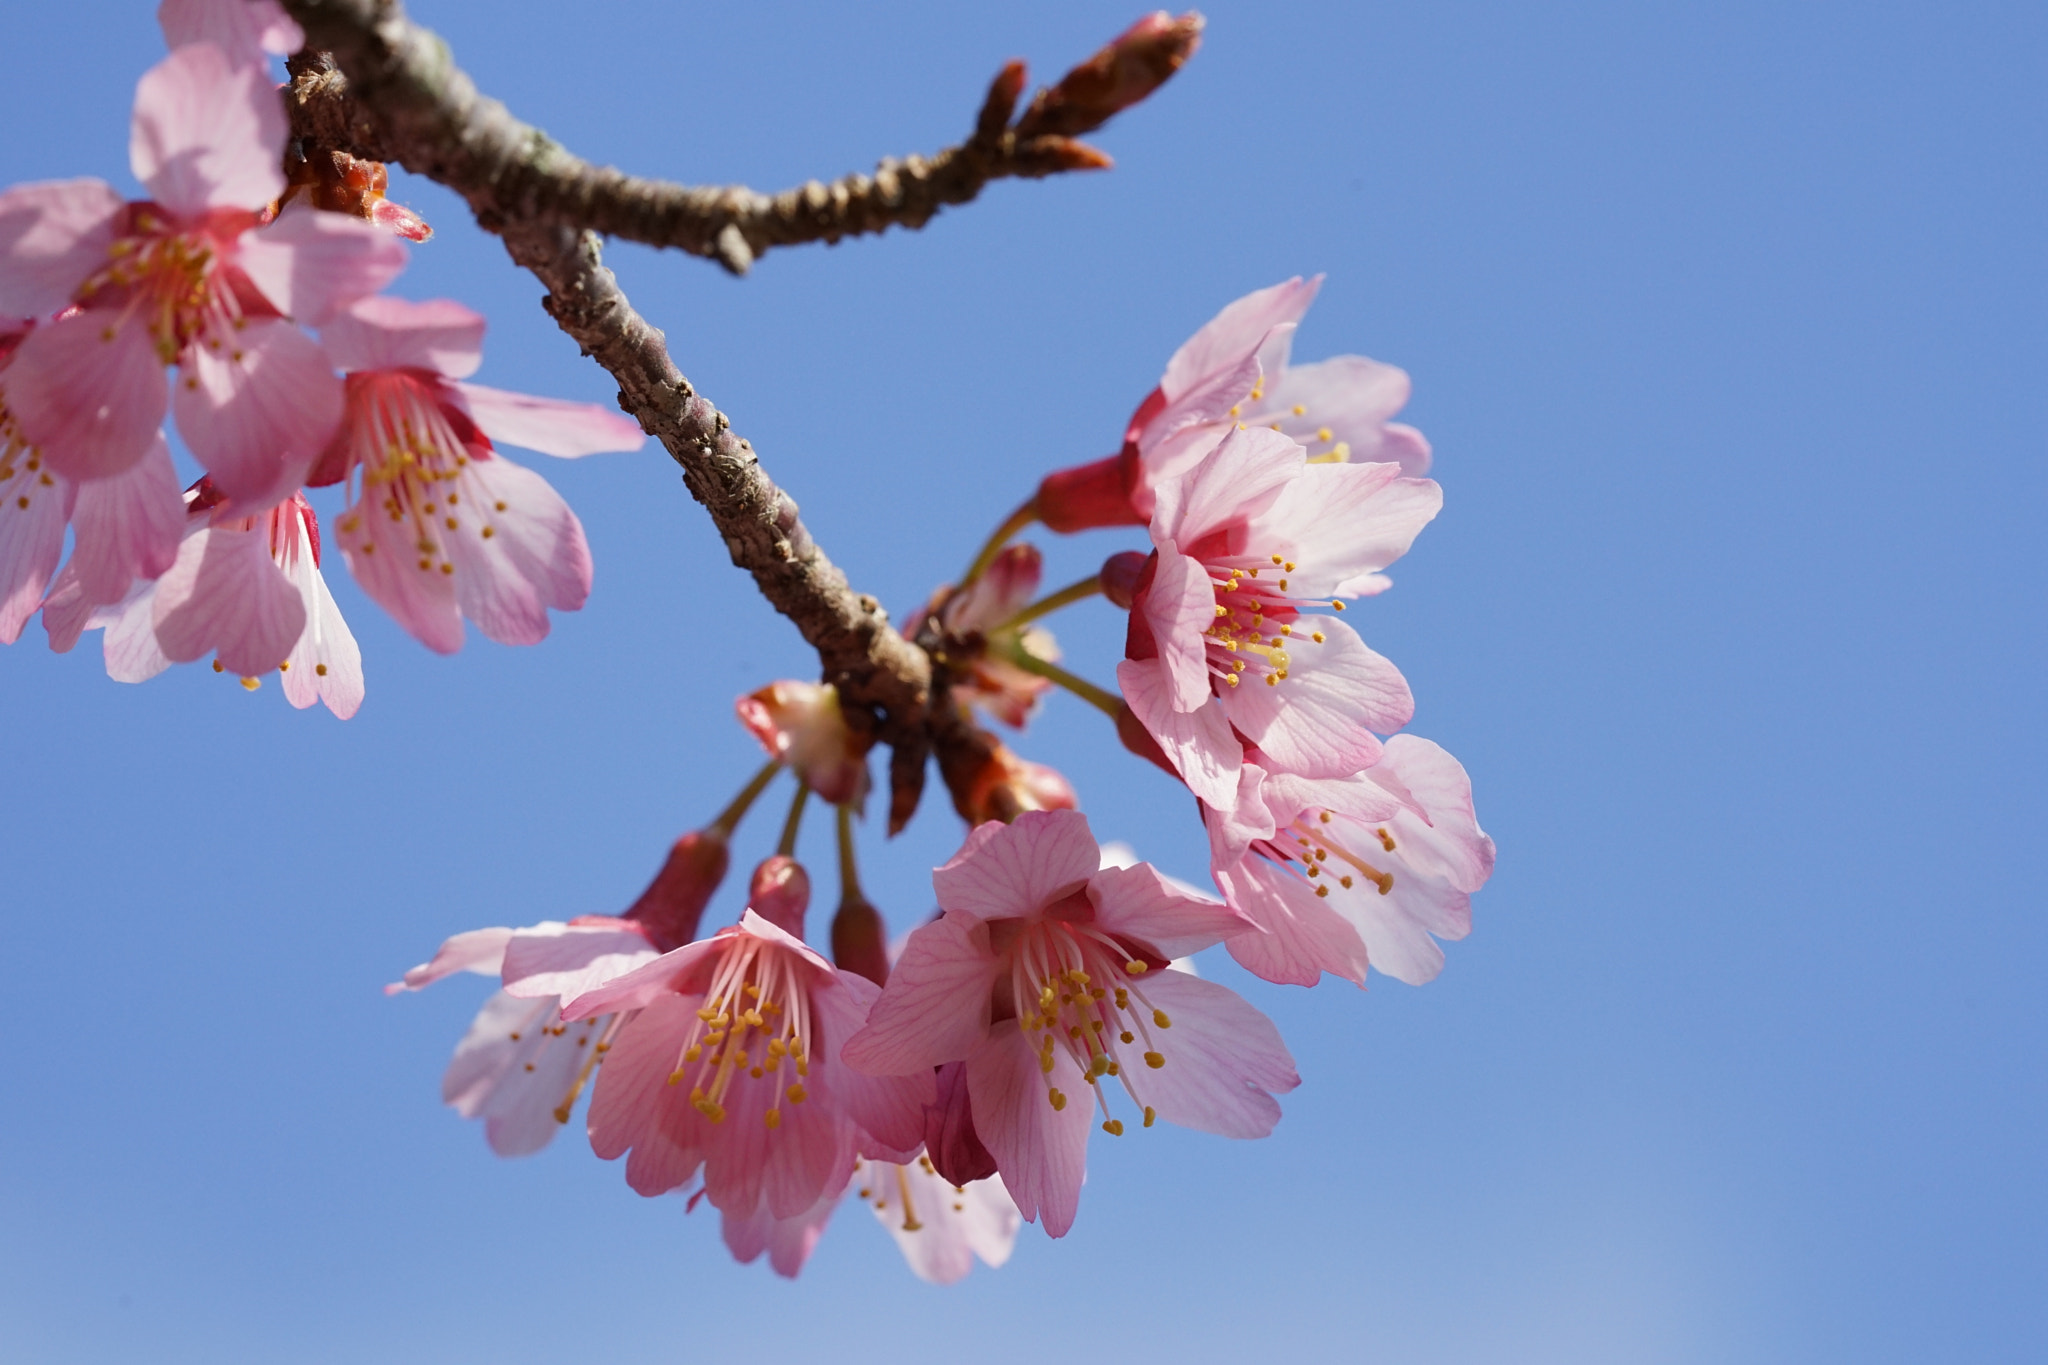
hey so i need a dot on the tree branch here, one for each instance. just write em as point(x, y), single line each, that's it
point(453, 134)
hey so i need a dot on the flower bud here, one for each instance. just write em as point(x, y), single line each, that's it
point(801, 724)
point(955, 1148)
point(674, 901)
point(1120, 576)
point(780, 893)
point(858, 943)
point(1006, 786)
point(1134, 64)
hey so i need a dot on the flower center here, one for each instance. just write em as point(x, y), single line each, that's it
point(418, 466)
point(758, 997)
point(1314, 842)
point(170, 279)
point(1256, 622)
point(1077, 991)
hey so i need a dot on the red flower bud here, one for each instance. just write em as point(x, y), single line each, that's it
point(674, 901)
point(1134, 64)
point(858, 944)
point(780, 893)
point(1120, 576)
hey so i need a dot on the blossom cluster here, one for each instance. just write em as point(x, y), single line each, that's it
point(953, 1080)
point(955, 1088)
point(249, 314)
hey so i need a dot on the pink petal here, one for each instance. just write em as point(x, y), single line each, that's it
point(536, 557)
point(1141, 903)
point(1343, 391)
point(1236, 482)
point(936, 1005)
point(207, 133)
point(1223, 1057)
point(388, 566)
point(326, 665)
point(90, 391)
point(1319, 721)
point(129, 646)
point(244, 29)
point(1020, 868)
point(312, 263)
point(788, 1241)
point(34, 507)
point(384, 333)
point(128, 526)
point(1198, 743)
point(938, 1228)
point(257, 406)
point(475, 950)
point(1303, 936)
point(1041, 1151)
point(549, 425)
point(888, 1109)
point(225, 595)
point(52, 236)
point(1238, 330)
point(1346, 522)
point(1450, 843)
point(1180, 607)
point(569, 959)
point(652, 981)
point(516, 1072)
point(634, 1106)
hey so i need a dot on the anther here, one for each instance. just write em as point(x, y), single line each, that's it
point(1149, 1116)
point(1154, 1060)
point(1114, 1127)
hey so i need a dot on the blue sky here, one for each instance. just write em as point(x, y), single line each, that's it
point(1726, 322)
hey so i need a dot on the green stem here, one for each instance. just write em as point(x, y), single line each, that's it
point(849, 877)
point(728, 819)
point(1106, 702)
point(1017, 521)
point(787, 846)
point(1045, 606)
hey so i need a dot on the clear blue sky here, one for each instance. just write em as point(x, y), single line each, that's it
point(1727, 324)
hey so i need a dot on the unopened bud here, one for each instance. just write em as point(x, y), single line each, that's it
point(674, 901)
point(858, 945)
point(1006, 786)
point(780, 893)
point(1001, 102)
point(1134, 64)
point(341, 183)
point(1042, 156)
point(1120, 576)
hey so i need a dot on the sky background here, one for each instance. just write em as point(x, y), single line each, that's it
point(1726, 322)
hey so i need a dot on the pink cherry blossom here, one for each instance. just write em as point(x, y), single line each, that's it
point(788, 1242)
point(1235, 370)
point(992, 683)
point(442, 526)
point(939, 1227)
point(248, 31)
point(801, 725)
point(1353, 872)
point(730, 1064)
point(246, 589)
point(1219, 645)
point(127, 526)
point(520, 1067)
point(193, 277)
point(1045, 974)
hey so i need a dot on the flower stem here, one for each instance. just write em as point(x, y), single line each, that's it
point(1016, 522)
point(1045, 606)
point(787, 845)
point(728, 819)
point(849, 876)
point(1102, 700)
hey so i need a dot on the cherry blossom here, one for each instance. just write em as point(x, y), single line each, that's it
point(730, 1064)
point(1235, 370)
point(194, 277)
point(939, 1227)
point(990, 681)
point(1342, 874)
point(442, 526)
point(801, 725)
point(1219, 644)
point(1045, 975)
point(246, 589)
